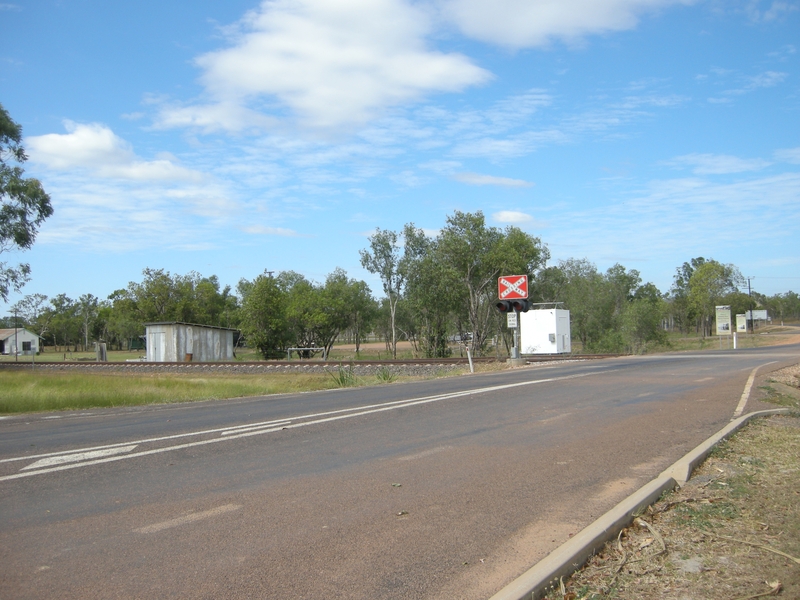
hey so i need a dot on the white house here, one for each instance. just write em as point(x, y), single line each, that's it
point(18, 341)
point(187, 342)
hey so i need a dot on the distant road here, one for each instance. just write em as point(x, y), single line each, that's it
point(439, 489)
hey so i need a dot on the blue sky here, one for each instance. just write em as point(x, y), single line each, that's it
point(230, 138)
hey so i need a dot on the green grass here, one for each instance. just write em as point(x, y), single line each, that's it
point(26, 391)
point(51, 356)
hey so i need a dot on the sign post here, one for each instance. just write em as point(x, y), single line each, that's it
point(723, 322)
point(513, 287)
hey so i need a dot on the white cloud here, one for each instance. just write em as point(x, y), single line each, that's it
point(512, 146)
point(790, 155)
point(263, 230)
point(776, 10)
point(699, 216)
point(220, 116)
point(111, 215)
point(331, 64)
point(718, 164)
point(511, 216)
point(408, 178)
point(527, 23)
point(766, 79)
point(479, 179)
point(96, 148)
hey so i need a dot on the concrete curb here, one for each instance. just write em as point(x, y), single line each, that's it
point(570, 556)
point(682, 469)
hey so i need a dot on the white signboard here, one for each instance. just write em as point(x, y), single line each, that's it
point(756, 315)
point(723, 320)
point(741, 323)
point(512, 320)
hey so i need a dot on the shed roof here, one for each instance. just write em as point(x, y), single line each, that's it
point(190, 325)
point(7, 333)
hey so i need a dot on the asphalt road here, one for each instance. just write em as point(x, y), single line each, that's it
point(439, 489)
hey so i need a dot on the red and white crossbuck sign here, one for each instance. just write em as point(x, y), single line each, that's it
point(512, 287)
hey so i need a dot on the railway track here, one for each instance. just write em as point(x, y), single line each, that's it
point(280, 365)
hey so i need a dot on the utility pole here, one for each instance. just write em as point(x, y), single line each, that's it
point(750, 294)
point(16, 344)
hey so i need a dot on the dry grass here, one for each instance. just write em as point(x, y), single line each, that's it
point(733, 531)
point(34, 391)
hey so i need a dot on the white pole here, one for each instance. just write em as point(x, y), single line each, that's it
point(469, 358)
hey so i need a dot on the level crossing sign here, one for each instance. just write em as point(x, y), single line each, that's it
point(512, 287)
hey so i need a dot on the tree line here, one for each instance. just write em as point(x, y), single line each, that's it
point(435, 290)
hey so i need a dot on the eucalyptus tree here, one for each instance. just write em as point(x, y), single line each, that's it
point(264, 322)
point(65, 322)
point(350, 306)
point(363, 310)
point(24, 205)
point(709, 283)
point(87, 307)
point(431, 292)
point(383, 259)
point(642, 319)
point(34, 309)
point(682, 311)
point(476, 255)
point(191, 298)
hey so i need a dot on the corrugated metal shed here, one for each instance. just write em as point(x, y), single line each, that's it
point(180, 342)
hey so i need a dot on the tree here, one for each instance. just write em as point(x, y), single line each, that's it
point(264, 323)
point(642, 318)
point(610, 312)
point(431, 293)
point(123, 322)
point(363, 309)
point(65, 323)
point(682, 312)
point(578, 284)
point(342, 304)
point(477, 255)
point(87, 309)
point(34, 310)
point(189, 298)
point(383, 259)
point(708, 284)
point(25, 205)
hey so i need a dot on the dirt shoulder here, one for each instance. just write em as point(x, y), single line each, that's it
point(733, 531)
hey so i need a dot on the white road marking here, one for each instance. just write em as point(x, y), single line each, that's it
point(139, 442)
point(704, 379)
point(425, 453)
point(360, 411)
point(555, 418)
point(190, 518)
point(77, 457)
point(746, 393)
point(242, 428)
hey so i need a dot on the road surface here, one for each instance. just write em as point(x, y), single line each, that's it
point(440, 489)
